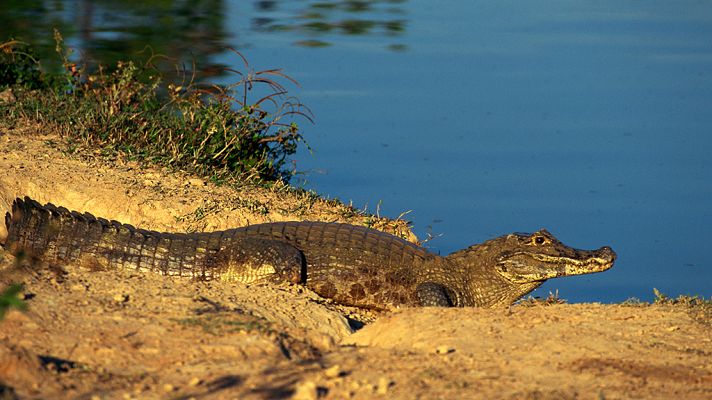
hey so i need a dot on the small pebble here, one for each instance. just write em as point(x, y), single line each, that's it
point(305, 390)
point(121, 298)
point(196, 182)
point(444, 349)
point(383, 385)
point(77, 287)
point(168, 387)
point(333, 372)
point(7, 97)
point(195, 381)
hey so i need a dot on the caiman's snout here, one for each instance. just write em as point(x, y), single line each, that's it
point(587, 262)
point(606, 254)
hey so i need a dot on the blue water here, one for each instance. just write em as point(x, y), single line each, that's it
point(591, 119)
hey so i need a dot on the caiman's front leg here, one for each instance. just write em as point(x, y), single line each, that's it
point(431, 294)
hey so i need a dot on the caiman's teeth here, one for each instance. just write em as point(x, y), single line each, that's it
point(592, 264)
point(571, 261)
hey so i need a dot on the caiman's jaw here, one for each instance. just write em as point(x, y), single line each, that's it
point(540, 256)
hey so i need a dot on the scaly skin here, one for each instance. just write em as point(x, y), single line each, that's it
point(350, 264)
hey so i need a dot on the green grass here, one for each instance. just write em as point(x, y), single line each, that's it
point(699, 308)
point(682, 300)
point(218, 132)
point(551, 299)
point(9, 299)
point(662, 299)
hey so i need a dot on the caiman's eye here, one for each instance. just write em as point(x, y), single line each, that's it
point(539, 240)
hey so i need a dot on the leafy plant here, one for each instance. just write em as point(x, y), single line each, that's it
point(9, 298)
point(551, 299)
point(18, 66)
point(684, 300)
point(219, 132)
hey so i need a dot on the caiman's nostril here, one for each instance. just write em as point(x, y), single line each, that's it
point(607, 252)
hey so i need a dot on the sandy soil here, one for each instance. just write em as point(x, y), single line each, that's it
point(117, 334)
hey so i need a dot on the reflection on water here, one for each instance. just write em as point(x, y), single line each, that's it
point(104, 32)
point(188, 32)
point(315, 21)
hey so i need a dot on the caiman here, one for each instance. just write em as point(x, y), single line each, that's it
point(350, 264)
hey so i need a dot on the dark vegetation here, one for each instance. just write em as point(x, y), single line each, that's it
point(241, 132)
point(9, 298)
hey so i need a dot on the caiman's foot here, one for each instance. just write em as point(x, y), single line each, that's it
point(431, 294)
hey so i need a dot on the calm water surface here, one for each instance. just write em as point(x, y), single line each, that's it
point(591, 119)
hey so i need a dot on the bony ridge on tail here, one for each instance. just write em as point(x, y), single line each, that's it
point(350, 264)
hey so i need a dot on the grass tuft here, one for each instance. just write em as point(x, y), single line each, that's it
point(682, 300)
point(699, 308)
point(551, 299)
point(219, 132)
point(9, 299)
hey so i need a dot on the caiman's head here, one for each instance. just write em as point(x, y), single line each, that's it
point(506, 268)
point(539, 256)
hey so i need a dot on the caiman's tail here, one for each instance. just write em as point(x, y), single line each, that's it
point(56, 235)
point(33, 229)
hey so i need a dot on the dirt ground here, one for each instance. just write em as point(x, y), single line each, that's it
point(118, 334)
